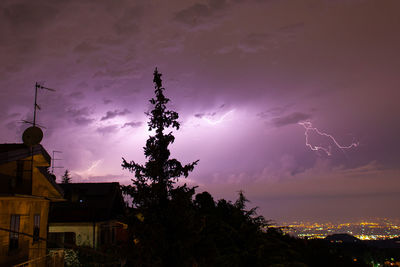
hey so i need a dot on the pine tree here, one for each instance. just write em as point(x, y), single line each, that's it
point(154, 181)
point(66, 178)
point(161, 220)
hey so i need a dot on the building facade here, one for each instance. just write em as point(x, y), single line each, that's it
point(26, 191)
point(93, 216)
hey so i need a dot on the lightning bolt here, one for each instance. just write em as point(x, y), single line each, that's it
point(88, 172)
point(214, 122)
point(308, 127)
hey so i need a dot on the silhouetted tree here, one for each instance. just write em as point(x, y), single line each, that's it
point(66, 178)
point(162, 216)
point(154, 180)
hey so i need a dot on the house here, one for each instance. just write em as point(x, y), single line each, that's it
point(92, 216)
point(26, 191)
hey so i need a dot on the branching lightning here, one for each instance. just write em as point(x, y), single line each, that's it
point(308, 127)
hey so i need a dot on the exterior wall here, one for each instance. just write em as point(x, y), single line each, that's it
point(26, 208)
point(37, 186)
point(10, 168)
point(24, 194)
point(83, 232)
point(42, 187)
point(8, 173)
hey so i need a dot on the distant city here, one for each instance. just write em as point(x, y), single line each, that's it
point(371, 229)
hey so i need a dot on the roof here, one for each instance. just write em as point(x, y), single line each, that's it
point(11, 152)
point(89, 202)
point(51, 178)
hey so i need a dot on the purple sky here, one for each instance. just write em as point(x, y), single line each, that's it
point(241, 74)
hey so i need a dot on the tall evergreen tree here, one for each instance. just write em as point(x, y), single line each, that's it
point(66, 178)
point(154, 181)
point(160, 221)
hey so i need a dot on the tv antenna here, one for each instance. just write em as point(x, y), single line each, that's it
point(53, 159)
point(38, 86)
point(33, 135)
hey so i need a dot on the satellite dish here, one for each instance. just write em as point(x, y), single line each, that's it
point(32, 136)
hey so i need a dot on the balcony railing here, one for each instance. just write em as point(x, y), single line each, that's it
point(54, 259)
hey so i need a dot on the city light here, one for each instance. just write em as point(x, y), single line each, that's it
point(374, 229)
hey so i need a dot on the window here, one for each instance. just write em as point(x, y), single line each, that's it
point(36, 227)
point(14, 232)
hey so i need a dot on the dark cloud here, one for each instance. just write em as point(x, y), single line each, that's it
point(11, 125)
point(218, 4)
point(77, 95)
point(254, 42)
point(128, 23)
point(14, 115)
point(107, 129)
point(29, 15)
point(103, 84)
point(199, 13)
point(199, 115)
point(82, 84)
point(290, 119)
point(133, 124)
point(12, 68)
point(83, 121)
point(115, 113)
point(80, 116)
point(126, 29)
point(114, 72)
point(220, 109)
point(110, 41)
point(291, 29)
point(194, 14)
point(172, 45)
point(85, 48)
point(73, 112)
point(107, 101)
point(275, 111)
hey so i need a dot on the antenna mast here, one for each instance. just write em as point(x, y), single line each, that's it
point(33, 135)
point(53, 161)
point(38, 86)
